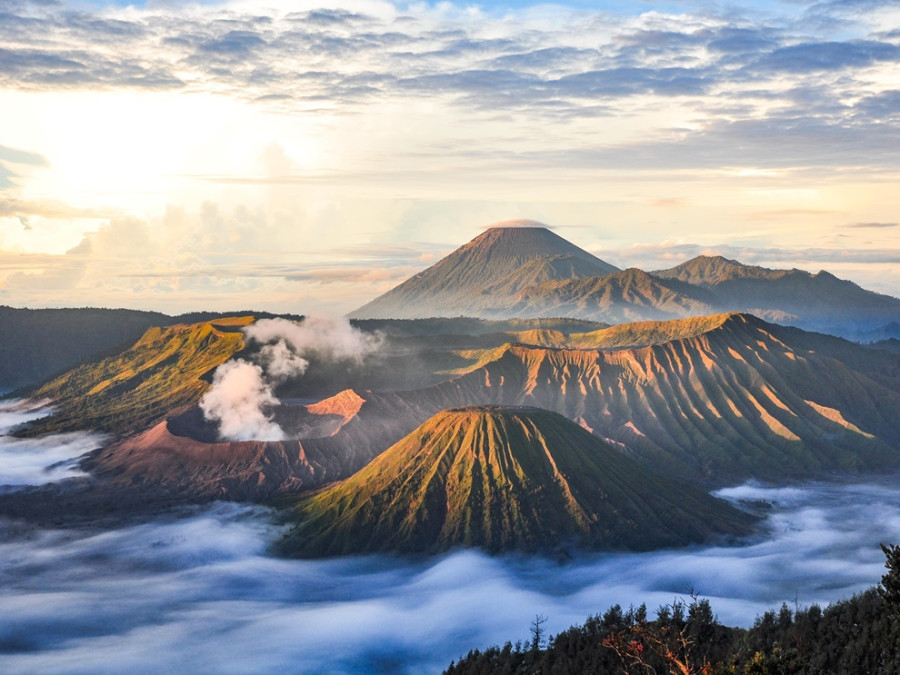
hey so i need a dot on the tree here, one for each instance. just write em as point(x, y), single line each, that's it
point(889, 589)
point(677, 640)
point(537, 631)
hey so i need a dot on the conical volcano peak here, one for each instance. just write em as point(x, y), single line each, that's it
point(483, 277)
point(506, 479)
point(526, 240)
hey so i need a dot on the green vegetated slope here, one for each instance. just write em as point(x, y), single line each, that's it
point(644, 333)
point(161, 373)
point(482, 277)
point(38, 343)
point(506, 479)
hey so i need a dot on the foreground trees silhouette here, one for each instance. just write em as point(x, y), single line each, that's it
point(859, 635)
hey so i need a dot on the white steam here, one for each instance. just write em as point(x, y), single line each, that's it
point(237, 401)
point(329, 338)
point(242, 393)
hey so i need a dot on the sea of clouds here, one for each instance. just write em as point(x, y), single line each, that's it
point(200, 591)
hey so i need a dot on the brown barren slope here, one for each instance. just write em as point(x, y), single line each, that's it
point(741, 399)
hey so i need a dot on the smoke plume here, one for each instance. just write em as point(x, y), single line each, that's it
point(242, 393)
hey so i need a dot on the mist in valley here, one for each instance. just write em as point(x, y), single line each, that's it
point(35, 461)
point(199, 591)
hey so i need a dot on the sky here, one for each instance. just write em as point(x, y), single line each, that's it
point(307, 155)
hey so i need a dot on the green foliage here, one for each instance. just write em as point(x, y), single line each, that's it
point(859, 635)
point(890, 582)
point(166, 370)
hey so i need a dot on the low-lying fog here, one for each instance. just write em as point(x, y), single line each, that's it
point(199, 593)
point(34, 461)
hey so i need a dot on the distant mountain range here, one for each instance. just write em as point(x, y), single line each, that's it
point(531, 272)
point(506, 479)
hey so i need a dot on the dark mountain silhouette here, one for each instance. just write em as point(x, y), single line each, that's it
point(506, 479)
point(38, 343)
point(483, 277)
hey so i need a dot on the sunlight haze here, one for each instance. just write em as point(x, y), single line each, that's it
point(308, 156)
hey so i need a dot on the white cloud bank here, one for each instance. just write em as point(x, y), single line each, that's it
point(200, 593)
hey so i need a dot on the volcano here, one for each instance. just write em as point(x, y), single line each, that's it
point(506, 478)
point(483, 278)
point(521, 269)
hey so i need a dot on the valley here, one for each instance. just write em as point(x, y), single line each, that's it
point(553, 456)
point(327, 409)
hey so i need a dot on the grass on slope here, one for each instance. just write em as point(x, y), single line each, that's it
point(646, 333)
point(162, 372)
point(506, 479)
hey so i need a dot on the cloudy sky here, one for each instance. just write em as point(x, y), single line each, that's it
point(306, 155)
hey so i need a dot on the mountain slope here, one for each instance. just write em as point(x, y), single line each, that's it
point(814, 301)
point(744, 399)
point(157, 375)
point(482, 277)
point(524, 272)
point(630, 295)
point(38, 343)
point(505, 479)
point(719, 399)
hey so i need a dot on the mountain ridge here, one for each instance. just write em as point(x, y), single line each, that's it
point(494, 277)
point(505, 478)
point(733, 398)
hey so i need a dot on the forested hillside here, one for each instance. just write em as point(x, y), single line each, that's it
point(858, 635)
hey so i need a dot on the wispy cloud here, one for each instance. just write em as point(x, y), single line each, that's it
point(877, 226)
point(46, 209)
point(12, 156)
point(670, 254)
point(522, 63)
